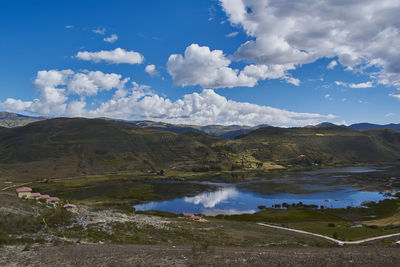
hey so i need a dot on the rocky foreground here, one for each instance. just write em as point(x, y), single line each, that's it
point(151, 255)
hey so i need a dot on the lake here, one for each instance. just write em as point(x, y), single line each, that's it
point(331, 188)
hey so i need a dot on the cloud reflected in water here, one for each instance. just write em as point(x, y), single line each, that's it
point(211, 199)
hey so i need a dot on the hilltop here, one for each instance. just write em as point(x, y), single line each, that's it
point(62, 147)
point(326, 146)
point(70, 147)
point(11, 120)
point(229, 131)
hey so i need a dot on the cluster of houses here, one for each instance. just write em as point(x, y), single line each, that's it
point(191, 216)
point(26, 192)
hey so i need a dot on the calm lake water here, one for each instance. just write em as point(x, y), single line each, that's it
point(321, 187)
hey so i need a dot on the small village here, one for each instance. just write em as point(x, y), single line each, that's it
point(26, 193)
point(193, 217)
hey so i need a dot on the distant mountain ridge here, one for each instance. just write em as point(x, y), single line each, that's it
point(323, 125)
point(358, 126)
point(369, 126)
point(229, 131)
point(11, 120)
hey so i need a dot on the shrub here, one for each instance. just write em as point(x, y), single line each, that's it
point(201, 169)
point(58, 216)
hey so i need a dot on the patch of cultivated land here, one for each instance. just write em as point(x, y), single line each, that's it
point(142, 255)
point(392, 220)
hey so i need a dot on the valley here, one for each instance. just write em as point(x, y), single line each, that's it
point(133, 184)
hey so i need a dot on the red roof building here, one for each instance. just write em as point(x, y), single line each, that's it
point(23, 192)
point(23, 189)
point(54, 199)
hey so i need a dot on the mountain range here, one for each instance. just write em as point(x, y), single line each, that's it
point(65, 147)
point(11, 120)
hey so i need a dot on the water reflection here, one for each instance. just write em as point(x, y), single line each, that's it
point(210, 199)
point(245, 197)
point(345, 170)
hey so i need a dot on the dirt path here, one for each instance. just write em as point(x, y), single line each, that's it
point(15, 185)
point(340, 242)
point(40, 181)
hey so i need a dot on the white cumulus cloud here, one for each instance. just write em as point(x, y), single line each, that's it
point(92, 82)
point(115, 56)
point(361, 34)
point(59, 90)
point(111, 39)
point(56, 87)
point(293, 81)
point(151, 70)
point(332, 65)
point(361, 85)
point(210, 69)
point(355, 85)
point(395, 95)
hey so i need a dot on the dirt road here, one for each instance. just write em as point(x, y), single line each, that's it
point(340, 242)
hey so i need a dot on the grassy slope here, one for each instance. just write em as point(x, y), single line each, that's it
point(332, 222)
point(68, 147)
point(74, 147)
point(324, 146)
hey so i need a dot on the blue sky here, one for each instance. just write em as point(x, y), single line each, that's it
point(246, 61)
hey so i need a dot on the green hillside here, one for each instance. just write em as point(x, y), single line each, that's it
point(63, 147)
point(73, 147)
point(320, 146)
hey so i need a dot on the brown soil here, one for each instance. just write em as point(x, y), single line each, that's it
point(144, 255)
